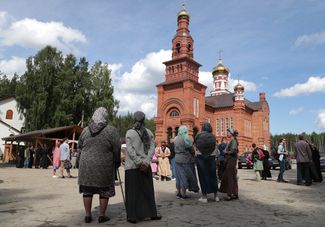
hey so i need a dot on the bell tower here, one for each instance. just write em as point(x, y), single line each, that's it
point(181, 98)
point(182, 64)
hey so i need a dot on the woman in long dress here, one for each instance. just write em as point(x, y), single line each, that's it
point(56, 157)
point(184, 164)
point(139, 190)
point(229, 182)
point(164, 170)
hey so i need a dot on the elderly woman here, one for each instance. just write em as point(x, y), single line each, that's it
point(205, 142)
point(98, 143)
point(229, 182)
point(164, 170)
point(184, 164)
point(139, 191)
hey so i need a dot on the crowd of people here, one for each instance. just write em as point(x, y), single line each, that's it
point(198, 164)
point(181, 159)
point(61, 157)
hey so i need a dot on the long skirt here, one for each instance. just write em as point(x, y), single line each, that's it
point(266, 169)
point(206, 168)
point(186, 177)
point(164, 167)
point(229, 182)
point(140, 195)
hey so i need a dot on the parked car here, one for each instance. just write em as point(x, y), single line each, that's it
point(322, 163)
point(274, 163)
point(243, 161)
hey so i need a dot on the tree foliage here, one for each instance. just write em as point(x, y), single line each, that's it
point(56, 91)
point(124, 123)
point(317, 139)
point(7, 86)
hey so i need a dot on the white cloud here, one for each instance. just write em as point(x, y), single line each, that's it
point(296, 111)
point(136, 90)
point(207, 79)
point(315, 38)
point(31, 33)
point(314, 84)
point(321, 118)
point(12, 66)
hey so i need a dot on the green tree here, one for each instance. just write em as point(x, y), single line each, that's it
point(35, 93)
point(102, 89)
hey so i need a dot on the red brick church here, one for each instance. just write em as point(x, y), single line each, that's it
point(182, 100)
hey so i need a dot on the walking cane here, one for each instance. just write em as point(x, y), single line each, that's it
point(119, 179)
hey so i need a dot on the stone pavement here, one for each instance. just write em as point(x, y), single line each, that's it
point(31, 197)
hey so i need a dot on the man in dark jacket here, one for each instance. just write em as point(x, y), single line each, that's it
point(304, 159)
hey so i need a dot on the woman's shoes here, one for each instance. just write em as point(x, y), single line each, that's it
point(88, 219)
point(158, 217)
point(231, 197)
point(102, 219)
point(203, 200)
point(133, 221)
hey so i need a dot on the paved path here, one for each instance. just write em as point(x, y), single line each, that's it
point(31, 197)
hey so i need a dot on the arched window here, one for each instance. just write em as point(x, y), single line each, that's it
point(178, 47)
point(9, 114)
point(189, 47)
point(174, 113)
point(169, 133)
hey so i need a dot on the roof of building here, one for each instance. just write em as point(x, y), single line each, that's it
point(6, 98)
point(227, 100)
point(9, 126)
point(42, 133)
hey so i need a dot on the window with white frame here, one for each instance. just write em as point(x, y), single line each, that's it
point(196, 107)
point(222, 127)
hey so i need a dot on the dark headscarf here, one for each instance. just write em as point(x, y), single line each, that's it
point(99, 120)
point(206, 127)
point(139, 118)
point(206, 141)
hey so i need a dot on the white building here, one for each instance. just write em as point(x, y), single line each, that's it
point(11, 122)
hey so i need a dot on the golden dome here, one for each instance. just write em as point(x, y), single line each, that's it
point(183, 12)
point(239, 87)
point(220, 68)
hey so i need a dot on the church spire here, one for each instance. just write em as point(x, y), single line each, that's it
point(182, 41)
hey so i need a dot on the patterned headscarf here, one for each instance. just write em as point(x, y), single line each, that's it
point(139, 118)
point(99, 120)
point(183, 132)
point(233, 132)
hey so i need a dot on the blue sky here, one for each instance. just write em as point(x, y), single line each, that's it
point(275, 46)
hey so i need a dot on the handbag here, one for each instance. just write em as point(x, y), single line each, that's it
point(67, 165)
point(258, 165)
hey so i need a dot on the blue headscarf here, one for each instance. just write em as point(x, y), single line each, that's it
point(183, 132)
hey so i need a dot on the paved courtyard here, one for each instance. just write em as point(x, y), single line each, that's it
point(31, 197)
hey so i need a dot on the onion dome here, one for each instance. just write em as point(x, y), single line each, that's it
point(239, 87)
point(220, 68)
point(183, 12)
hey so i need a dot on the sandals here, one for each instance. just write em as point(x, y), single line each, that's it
point(88, 219)
point(102, 219)
point(231, 197)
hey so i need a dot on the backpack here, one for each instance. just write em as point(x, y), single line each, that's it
point(260, 153)
point(275, 154)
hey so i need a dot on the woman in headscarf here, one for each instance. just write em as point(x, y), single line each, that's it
point(139, 191)
point(164, 170)
point(229, 182)
point(205, 142)
point(56, 157)
point(98, 143)
point(184, 164)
